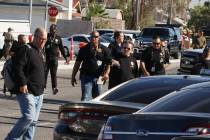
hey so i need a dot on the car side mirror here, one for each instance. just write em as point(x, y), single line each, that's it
point(175, 37)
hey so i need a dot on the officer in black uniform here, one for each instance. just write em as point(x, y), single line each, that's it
point(116, 52)
point(53, 49)
point(127, 67)
point(154, 59)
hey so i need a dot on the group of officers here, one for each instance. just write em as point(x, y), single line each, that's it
point(98, 63)
point(53, 50)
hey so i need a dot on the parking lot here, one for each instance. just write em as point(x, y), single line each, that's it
point(10, 111)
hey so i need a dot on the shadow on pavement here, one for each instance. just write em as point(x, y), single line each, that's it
point(14, 118)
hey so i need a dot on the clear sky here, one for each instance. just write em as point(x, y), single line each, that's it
point(196, 2)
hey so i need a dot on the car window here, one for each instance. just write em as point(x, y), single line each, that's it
point(178, 33)
point(188, 100)
point(171, 32)
point(80, 39)
point(140, 91)
point(101, 32)
point(155, 31)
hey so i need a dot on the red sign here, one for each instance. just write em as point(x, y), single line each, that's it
point(53, 11)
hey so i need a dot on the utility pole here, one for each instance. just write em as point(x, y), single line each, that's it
point(141, 10)
point(46, 15)
point(170, 11)
point(137, 14)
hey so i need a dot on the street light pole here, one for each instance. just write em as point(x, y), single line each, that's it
point(30, 13)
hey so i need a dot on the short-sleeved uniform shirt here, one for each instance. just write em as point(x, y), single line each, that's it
point(93, 60)
point(53, 46)
point(128, 68)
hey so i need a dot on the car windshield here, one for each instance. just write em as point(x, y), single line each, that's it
point(109, 39)
point(101, 39)
point(155, 31)
point(187, 100)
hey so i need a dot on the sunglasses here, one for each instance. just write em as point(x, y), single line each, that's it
point(155, 43)
point(95, 36)
point(126, 48)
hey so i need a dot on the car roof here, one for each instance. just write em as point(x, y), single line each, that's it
point(156, 28)
point(158, 80)
point(74, 35)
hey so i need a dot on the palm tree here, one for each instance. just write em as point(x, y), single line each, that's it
point(95, 10)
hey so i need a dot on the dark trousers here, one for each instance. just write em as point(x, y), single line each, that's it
point(114, 77)
point(52, 66)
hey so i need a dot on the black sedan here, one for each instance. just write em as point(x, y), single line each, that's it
point(191, 61)
point(182, 113)
point(83, 120)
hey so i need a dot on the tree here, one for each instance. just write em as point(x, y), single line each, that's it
point(95, 10)
point(127, 6)
point(200, 16)
point(149, 12)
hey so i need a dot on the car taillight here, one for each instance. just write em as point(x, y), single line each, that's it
point(105, 133)
point(200, 130)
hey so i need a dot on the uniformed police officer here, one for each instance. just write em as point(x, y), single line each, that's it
point(154, 59)
point(95, 60)
point(127, 67)
point(116, 52)
point(8, 41)
point(53, 49)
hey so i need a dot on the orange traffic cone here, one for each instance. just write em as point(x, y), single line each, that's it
point(71, 49)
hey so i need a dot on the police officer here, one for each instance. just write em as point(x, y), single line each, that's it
point(154, 59)
point(95, 60)
point(116, 52)
point(53, 48)
point(8, 41)
point(127, 67)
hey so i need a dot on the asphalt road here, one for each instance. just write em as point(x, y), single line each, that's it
point(9, 111)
